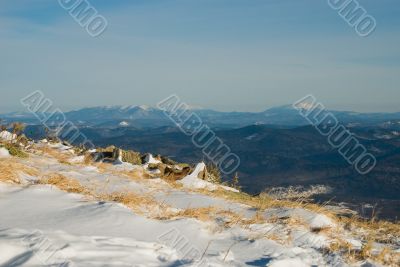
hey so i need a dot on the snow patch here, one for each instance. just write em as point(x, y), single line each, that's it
point(321, 221)
point(4, 153)
point(77, 159)
point(228, 188)
point(151, 160)
point(7, 136)
point(288, 263)
point(251, 137)
point(60, 146)
point(192, 180)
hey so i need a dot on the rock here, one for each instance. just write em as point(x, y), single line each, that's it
point(154, 166)
point(117, 155)
point(110, 154)
point(65, 143)
point(168, 172)
point(172, 173)
point(167, 161)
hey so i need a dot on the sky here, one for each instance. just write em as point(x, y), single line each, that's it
point(230, 55)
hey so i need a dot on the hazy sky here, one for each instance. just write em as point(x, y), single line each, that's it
point(221, 54)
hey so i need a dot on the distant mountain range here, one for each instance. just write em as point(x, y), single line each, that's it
point(144, 117)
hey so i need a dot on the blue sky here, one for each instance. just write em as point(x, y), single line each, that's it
point(221, 54)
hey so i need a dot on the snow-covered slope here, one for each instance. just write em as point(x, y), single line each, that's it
point(149, 222)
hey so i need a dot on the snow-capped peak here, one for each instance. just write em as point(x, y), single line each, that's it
point(144, 107)
point(305, 105)
point(135, 107)
point(123, 123)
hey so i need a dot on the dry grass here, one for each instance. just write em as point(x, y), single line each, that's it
point(88, 158)
point(138, 203)
point(10, 169)
point(380, 231)
point(136, 174)
point(101, 166)
point(15, 150)
point(63, 183)
point(258, 218)
point(279, 239)
point(62, 158)
point(369, 231)
point(204, 214)
point(386, 256)
point(172, 182)
point(261, 202)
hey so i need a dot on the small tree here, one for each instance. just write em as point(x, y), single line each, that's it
point(18, 128)
point(213, 173)
point(235, 182)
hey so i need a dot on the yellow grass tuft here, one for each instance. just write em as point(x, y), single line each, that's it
point(10, 169)
point(136, 174)
point(88, 159)
point(15, 150)
point(136, 202)
point(202, 214)
point(62, 157)
point(63, 183)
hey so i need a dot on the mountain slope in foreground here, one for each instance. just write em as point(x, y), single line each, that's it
point(59, 209)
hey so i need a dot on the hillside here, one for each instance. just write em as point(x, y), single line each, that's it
point(59, 206)
point(280, 157)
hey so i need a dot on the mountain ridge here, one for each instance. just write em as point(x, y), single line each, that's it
point(147, 116)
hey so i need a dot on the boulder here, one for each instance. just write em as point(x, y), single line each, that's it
point(172, 173)
point(149, 159)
